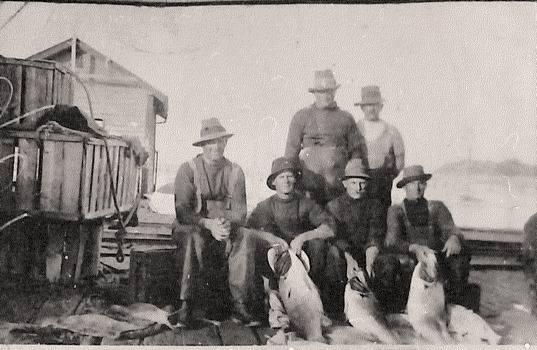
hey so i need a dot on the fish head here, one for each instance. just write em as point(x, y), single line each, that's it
point(428, 268)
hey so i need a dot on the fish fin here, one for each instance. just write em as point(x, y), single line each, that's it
point(325, 321)
point(271, 257)
point(303, 257)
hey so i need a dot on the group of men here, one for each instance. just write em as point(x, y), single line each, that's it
point(332, 200)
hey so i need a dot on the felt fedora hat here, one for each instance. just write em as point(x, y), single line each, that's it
point(413, 173)
point(211, 129)
point(279, 165)
point(370, 96)
point(355, 168)
point(323, 80)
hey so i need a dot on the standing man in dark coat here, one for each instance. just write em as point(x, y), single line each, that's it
point(323, 138)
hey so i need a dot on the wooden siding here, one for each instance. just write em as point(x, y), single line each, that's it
point(35, 85)
point(65, 177)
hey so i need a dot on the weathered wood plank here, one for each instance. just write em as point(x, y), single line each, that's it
point(26, 177)
point(7, 151)
point(72, 165)
point(106, 180)
point(51, 176)
point(95, 180)
point(88, 171)
point(101, 184)
point(171, 337)
point(13, 72)
point(93, 230)
point(61, 303)
point(71, 232)
point(114, 150)
point(234, 334)
point(264, 333)
point(207, 335)
point(54, 252)
point(121, 174)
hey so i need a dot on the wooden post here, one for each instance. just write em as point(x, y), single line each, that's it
point(54, 252)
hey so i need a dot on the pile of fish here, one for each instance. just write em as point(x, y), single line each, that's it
point(428, 319)
point(118, 323)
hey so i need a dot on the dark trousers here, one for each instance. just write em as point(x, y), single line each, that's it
point(393, 274)
point(205, 262)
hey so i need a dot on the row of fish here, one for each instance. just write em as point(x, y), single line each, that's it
point(428, 319)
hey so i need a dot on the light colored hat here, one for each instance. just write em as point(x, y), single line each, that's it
point(211, 129)
point(370, 96)
point(279, 165)
point(323, 80)
point(355, 168)
point(413, 173)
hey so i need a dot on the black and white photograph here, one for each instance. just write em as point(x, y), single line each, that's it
point(277, 174)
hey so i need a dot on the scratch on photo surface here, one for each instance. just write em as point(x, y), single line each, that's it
point(274, 122)
point(509, 186)
point(509, 137)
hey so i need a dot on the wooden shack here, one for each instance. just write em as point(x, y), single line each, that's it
point(127, 105)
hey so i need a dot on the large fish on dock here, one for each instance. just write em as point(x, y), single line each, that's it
point(363, 312)
point(426, 303)
point(300, 295)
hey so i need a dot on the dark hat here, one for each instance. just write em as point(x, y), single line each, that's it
point(355, 168)
point(370, 96)
point(211, 129)
point(279, 165)
point(323, 80)
point(413, 173)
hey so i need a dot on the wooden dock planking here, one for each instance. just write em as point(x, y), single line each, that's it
point(206, 336)
point(170, 337)
point(234, 334)
point(61, 303)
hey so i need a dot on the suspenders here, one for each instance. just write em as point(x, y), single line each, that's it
point(232, 181)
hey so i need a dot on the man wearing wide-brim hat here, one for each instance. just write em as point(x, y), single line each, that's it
point(418, 226)
point(361, 226)
point(289, 219)
point(210, 207)
point(385, 147)
point(323, 138)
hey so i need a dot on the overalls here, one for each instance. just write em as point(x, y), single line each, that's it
point(207, 264)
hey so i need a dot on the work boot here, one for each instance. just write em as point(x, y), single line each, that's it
point(184, 314)
point(240, 314)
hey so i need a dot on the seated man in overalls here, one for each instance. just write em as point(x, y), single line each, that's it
point(418, 226)
point(291, 220)
point(210, 207)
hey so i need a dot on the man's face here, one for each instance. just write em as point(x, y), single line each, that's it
point(415, 189)
point(213, 150)
point(355, 187)
point(324, 99)
point(284, 183)
point(372, 112)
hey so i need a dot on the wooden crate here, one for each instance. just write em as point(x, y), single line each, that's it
point(153, 275)
point(35, 84)
point(65, 176)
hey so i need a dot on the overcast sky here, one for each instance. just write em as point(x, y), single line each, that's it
point(455, 76)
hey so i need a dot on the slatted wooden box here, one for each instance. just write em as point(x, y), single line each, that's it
point(153, 275)
point(64, 176)
point(35, 84)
